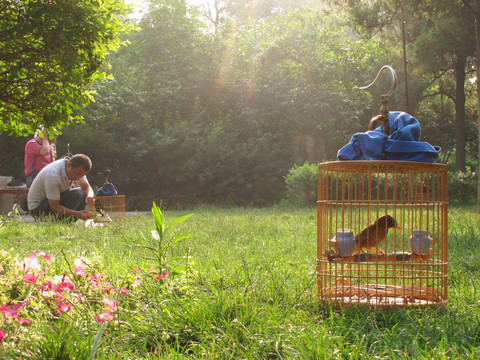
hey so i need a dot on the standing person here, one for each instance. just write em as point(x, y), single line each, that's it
point(52, 193)
point(39, 152)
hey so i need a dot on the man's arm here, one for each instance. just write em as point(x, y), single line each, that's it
point(86, 188)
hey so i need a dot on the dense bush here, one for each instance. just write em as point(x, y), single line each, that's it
point(462, 186)
point(194, 117)
point(302, 184)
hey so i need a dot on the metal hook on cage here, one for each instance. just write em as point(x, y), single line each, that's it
point(106, 173)
point(382, 118)
point(394, 81)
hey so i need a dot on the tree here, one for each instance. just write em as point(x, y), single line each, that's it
point(217, 12)
point(474, 7)
point(443, 46)
point(440, 40)
point(50, 51)
point(199, 117)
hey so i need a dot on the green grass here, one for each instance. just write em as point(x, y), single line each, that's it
point(249, 292)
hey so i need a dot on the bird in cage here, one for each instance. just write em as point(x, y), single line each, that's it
point(375, 233)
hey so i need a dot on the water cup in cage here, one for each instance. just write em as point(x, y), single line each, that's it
point(344, 242)
point(419, 242)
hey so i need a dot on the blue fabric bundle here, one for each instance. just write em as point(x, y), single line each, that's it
point(108, 189)
point(402, 144)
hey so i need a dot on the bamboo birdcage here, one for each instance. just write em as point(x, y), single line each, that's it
point(353, 194)
point(108, 208)
point(112, 206)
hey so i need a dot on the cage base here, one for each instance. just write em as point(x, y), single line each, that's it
point(381, 295)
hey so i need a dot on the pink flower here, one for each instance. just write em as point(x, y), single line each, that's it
point(93, 280)
point(79, 297)
point(136, 283)
point(107, 316)
point(58, 297)
point(47, 257)
point(153, 270)
point(30, 278)
point(19, 306)
point(60, 278)
point(3, 335)
point(64, 307)
point(42, 254)
point(1, 268)
point(48, 286)
point(110, 303)
point(47, 293)
point(78, 262)
point(65, 286)
point(29, 263)
point(48, 290)
point(136, 270)
point(23, 321)
point(80, 272)
point(122, 290)
point(161, 276)
point(8, 312)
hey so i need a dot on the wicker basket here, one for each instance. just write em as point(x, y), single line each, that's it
point(113, 206)
point(352, 195)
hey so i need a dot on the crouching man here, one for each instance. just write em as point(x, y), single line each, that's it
point(52, 192)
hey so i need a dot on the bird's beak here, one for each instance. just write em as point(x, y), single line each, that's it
point(399, 228)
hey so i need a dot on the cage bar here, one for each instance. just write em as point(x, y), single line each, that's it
point(409, 268)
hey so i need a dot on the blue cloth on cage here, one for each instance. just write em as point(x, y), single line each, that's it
point(402, 144)
point(108, 189)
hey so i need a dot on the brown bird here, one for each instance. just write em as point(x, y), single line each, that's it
point(373, 235)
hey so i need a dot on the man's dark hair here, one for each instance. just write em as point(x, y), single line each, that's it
point(82, 161)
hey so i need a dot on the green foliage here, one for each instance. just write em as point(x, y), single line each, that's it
point(302, 184)
point(194, 117)
point(55, 307)
point(462, 186)
point(64, 341)
point(50, 51)
point(439, 40)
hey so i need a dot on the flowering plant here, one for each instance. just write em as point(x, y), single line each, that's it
point(42, 293)
point(162, 238)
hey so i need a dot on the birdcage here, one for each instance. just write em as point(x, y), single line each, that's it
point(357, 267)
point(110, 208)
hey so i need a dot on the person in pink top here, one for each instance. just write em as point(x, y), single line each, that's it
point(39, 152)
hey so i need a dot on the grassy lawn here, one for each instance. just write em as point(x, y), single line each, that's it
point(243, 288)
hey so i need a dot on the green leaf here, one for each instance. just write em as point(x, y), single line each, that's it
point(181, 237)
point(180, 220)
point(96, 340)
point(159, 220)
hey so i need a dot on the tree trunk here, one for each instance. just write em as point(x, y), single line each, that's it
point(460, 112)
